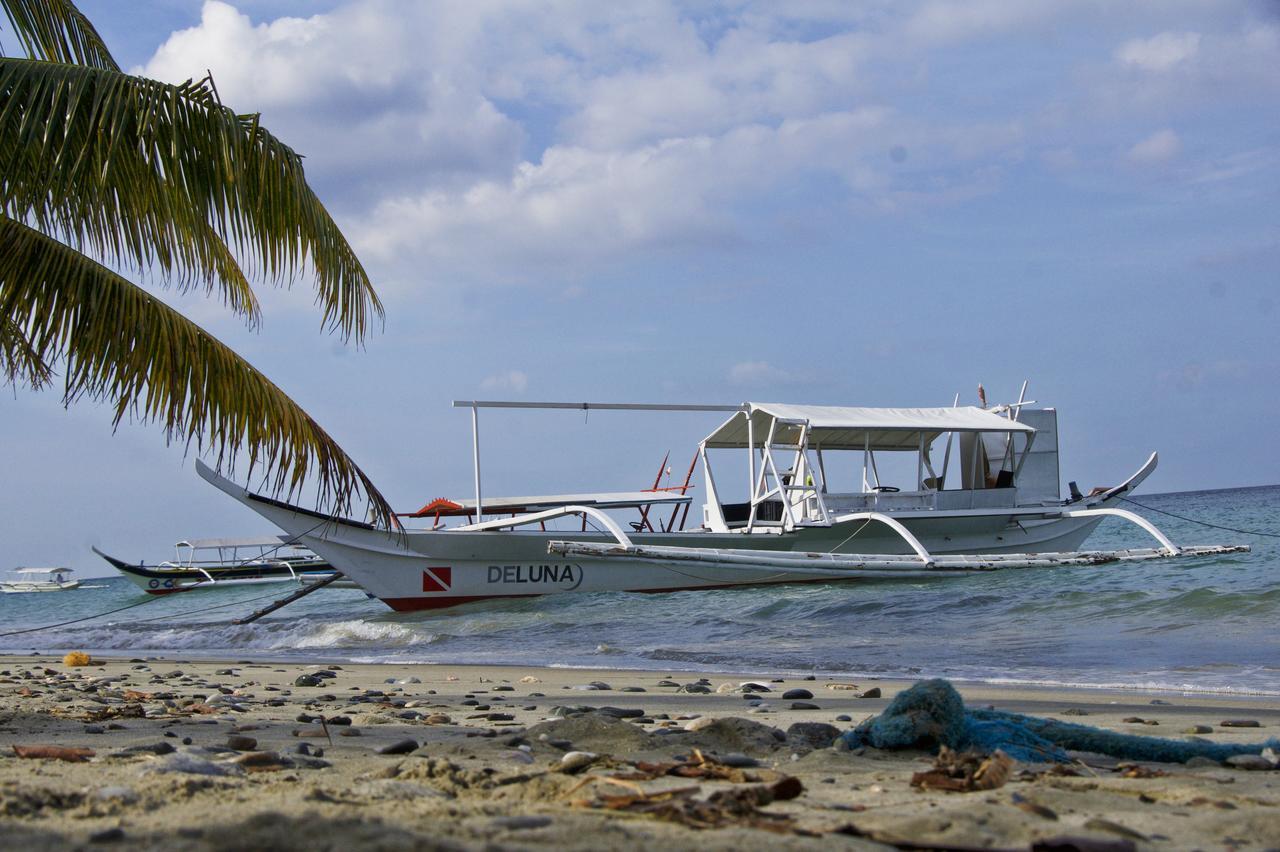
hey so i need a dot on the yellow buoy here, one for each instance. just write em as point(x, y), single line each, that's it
point(76, 658)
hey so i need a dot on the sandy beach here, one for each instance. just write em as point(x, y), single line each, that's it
point(178, 754)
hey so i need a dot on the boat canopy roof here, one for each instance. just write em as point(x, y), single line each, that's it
point(42, 571)
point(211, 543)
point(601, 500)
point(844, 428)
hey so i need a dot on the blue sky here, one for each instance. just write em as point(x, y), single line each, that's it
point(877, 204)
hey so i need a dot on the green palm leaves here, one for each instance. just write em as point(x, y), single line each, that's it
point(57, 30)
point(101, 171)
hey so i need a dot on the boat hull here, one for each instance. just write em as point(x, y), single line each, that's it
point(419, 570)
point(164, 580)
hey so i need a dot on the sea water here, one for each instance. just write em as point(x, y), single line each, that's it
point(1206, 624)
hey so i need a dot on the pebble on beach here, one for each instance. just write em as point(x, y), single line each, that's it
point(399, 747)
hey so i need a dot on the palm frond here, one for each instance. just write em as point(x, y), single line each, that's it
point(56, 30)
point(19, 361)
point(123, 346)
point(143, 173)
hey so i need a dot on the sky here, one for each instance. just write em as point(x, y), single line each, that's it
point(879, 203)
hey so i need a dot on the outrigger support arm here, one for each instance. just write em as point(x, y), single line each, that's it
point(925, 556)
point(1171, 548)
point(534, 517)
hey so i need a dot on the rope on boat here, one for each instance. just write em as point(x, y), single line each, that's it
point(78, 620)
point(147, 600)
point(1201, 523)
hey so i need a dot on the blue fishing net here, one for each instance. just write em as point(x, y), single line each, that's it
point(931, 713)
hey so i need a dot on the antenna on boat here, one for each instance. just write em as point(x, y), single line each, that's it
point(1016, 410)
point(946, 457)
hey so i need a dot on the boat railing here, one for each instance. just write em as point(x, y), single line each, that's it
point(1169, 547)
point(287, 564)
point(911, 540)
point(538, 517)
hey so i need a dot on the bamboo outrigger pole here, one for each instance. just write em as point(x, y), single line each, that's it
point(283, 602)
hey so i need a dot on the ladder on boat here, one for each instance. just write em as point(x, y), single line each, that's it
point(802, 477)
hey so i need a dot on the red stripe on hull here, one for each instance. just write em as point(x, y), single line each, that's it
point(416, 604)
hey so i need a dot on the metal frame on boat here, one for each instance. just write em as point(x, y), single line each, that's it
point(794, 526)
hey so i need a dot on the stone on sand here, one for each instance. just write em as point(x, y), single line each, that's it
point(812, 734)
point(594, 732)
point(732, 734)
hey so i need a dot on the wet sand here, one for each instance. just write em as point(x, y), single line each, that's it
point(221, 755)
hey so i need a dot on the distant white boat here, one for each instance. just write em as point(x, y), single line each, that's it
point(39, 580)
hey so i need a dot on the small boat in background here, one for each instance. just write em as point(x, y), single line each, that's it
point(209, 562)
point(40, 580)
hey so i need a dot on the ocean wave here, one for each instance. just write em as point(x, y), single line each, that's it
point(266, 635)
point(364, 634)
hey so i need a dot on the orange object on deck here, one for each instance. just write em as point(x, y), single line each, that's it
point(440, 507)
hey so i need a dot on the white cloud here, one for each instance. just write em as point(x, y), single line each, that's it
point(1159, 147)
point(955, 20)
point(1186, 73)
point(357, 90)
point(1160, 52)
point(511, 380)
point(593, 204)
point(759, 373)
point(496, 142)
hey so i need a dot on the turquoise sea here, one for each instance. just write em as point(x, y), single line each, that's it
point(1204, 625)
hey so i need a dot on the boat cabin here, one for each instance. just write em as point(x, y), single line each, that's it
point(46, 575)
point(1007, 457)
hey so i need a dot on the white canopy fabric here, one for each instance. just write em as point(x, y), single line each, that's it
point(603, 500)
point(211, 543)
point(843, 428)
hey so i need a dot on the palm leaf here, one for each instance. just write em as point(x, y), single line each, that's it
point(123, 346)
point(56, 30)
point(148, 174)
point(19, 361)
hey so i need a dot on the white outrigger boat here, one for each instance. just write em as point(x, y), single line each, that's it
point(1000, 508)
point(39, 580)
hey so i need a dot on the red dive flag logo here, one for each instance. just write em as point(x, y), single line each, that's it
point(437, 579)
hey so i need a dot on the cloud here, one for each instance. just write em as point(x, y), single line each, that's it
point(491, 144)
point(1160, 52)
point(354, 90)
point(1159, 147)
point(511, 380)
point(1230, 63)
point(956, 20)
point(758, 373)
